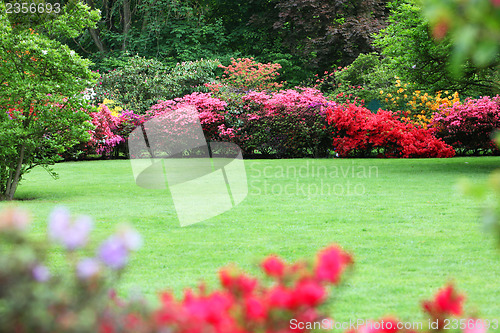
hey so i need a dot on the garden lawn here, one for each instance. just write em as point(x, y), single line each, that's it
point(409, 229)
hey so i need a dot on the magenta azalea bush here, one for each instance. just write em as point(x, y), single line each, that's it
point(210, 111)
point(468, 127)
point(80, 298)
point(102, 138)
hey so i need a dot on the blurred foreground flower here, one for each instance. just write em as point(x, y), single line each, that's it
point(71, 234)
point(80, 298)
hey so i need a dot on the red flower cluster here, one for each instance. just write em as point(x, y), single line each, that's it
point(246, 305)
point(447, 302)
point(359, 131)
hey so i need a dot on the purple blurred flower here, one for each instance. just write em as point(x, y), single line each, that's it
point(87, 268)
point(113, 252)
point(131, 238)
point(40, 273)
point(70, 234)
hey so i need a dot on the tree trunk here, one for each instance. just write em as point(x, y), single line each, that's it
point(127, 18)
point(94, 33)
point(13, 180)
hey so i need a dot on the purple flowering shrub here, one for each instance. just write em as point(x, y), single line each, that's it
point(33, 298)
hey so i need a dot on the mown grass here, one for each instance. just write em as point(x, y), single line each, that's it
point(409, 229)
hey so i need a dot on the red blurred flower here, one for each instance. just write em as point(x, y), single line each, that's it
point(255, 309)
point(273, 266)
point(446, 302)
point(330, 264)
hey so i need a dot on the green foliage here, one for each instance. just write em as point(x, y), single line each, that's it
point(364, 78)
point(42, 107)
point(73, 17)
point(488, 193)
point(141, 82)
point(411, 51)
point(168, 30)
point(474, 27)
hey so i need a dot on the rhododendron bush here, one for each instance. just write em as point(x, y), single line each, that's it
point(287, 123)
point(210, 111)
point(287, 299)
point(247, 74)
point(469, 126)
point(102, 138)
point(363, 133)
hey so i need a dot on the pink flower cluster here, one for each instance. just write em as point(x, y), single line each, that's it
point(469, 126)
point(210, 110)
point(102, 138)
point(291, 100)
point(245, 73)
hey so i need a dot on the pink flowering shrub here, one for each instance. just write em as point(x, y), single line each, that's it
point(358, 131)
point(102, 138)
point(469, 126)
point(210, 111)
point(288, 299)
point(288, 123)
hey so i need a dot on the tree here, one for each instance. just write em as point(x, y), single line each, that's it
point(42, 109)
point(326, 32)
point(168, 30)
point(415, 56)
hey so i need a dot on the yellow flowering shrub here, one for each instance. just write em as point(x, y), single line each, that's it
point(417, 107)
point(113, 107)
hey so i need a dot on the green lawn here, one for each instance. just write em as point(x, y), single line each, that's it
point(408, 228)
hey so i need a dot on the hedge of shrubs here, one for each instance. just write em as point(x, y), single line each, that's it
point(300, 122)
point(82, 299)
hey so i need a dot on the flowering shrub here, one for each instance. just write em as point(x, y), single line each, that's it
point(287, 123)
point(360, 132)
point(247, 74)
point(210, 111)
point(34, 299)
point(469, 126)
point(113, 107)
point(288, 299)
point(102, 138)
point(416, 107)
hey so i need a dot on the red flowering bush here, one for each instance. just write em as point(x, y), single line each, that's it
point(361, 132)
point(245, 304)
point(247, 74)
point(469, 126)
